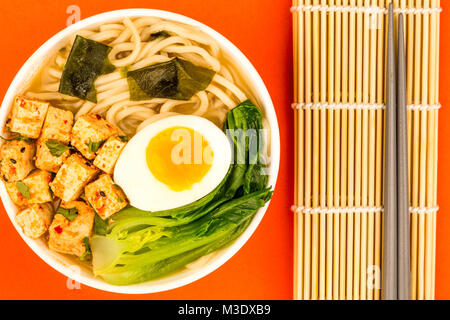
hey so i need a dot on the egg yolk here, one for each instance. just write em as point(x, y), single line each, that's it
point(179, 157)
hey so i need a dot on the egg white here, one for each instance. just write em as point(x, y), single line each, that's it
point(147, 193)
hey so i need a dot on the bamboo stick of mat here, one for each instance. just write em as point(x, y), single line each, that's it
point(323, 151)
point(423, 150)
point(351, 152)
point(415, 132)
point(381, 72)
point(315, 155)
point(373, 23)
point(339, 232)
point(308, 156)
point(298, 140)
point(344, 245)
point(330, 156)
point(365, 152)
point(434, 99)
point(358, 153)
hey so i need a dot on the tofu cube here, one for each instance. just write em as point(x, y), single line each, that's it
point(105, 196)
point(15, 195)
point(45, 160)
point(37, 187)
point(35, 220)
point(108, 154)
point(67, 236)
point(57, 125)
point(16, 160)
point(27, 116)
point(89, 132)
point(38, 183)
point(72, 177)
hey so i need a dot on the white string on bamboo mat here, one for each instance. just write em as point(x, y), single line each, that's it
point(425, 210)
point(360, 106)
point(337, 106)
point(424, 107)
point(418, 210)
point(369, 10)
point(297, 209)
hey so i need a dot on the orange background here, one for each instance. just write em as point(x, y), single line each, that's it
point(262, 269)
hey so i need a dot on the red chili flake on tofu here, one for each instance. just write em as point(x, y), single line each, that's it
point(65, 121)
point(58, 229)
point(22, 103)
point(98, 117)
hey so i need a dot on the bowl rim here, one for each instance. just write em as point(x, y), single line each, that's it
point(260, 91)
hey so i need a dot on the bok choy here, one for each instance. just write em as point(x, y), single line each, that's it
point(138, 246)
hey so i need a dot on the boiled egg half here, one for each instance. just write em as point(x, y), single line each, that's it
point(173, 162)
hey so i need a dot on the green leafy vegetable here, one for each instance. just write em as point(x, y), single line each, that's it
point(23, 189)
point(248, 116)
point(87, 251)
point(69, 214)
point(56, 148)
point(18, 138)
point(87, 60)
point(100, 225)
point(116, 186)
point(124, 138)
point(94, 146)
point(138, 246)
point(176, 79)
point(160, 34)
point(153, 249)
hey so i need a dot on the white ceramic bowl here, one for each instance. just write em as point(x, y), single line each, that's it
point(78, 271)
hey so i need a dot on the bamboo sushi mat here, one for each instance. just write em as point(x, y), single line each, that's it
point(339, 92)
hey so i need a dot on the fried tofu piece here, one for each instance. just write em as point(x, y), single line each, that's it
point(35, 189)
point(72, 177)
point(27, 116)
point(109, 152)
point(35, 220)
point(57, 125)
point(45, 160)
point(89, 132)
point(105, 196)
point(38, 183)
point(15, 195)
point(67, 236)
point(16, 160)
